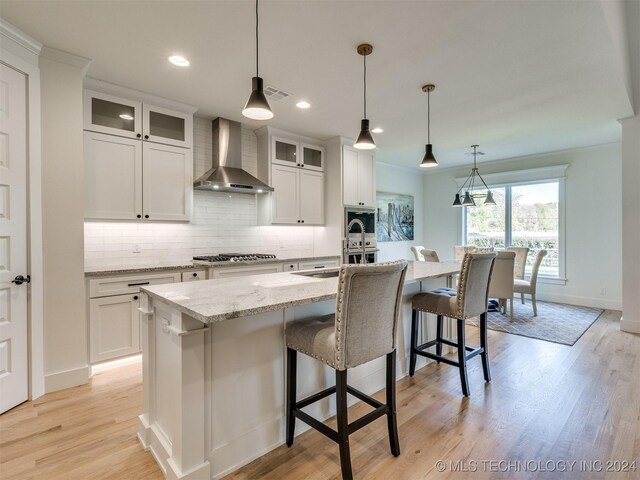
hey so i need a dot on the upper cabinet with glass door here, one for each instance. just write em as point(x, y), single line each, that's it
point(113, 115)
point(161, 125)
point(292, 153)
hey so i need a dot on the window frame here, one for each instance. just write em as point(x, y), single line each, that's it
point(507, 180)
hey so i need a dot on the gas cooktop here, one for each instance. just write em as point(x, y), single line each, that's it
point(235, 257)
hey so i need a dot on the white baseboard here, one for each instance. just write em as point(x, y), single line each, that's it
point(576, 300)
point(631, 326)
point(69, 378)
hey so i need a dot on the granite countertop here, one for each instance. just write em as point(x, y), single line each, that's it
point(216, 300)
point(194, 265)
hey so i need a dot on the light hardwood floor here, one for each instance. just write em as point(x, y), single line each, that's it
point(546, 402)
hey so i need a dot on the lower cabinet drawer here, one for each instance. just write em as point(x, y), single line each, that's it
point(229, 272)
point(102, 287)
point(114, 327)
point(192, 276)
point(328, 263)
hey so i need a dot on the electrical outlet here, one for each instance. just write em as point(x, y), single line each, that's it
point(603, 291)
point(136, 248)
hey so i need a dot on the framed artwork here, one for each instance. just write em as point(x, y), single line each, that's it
point(395, 217)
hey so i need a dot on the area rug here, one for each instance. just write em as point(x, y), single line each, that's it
point(556, 322)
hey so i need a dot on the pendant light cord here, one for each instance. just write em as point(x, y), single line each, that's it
point(429, 116)
point(257, 45)
point(364, 57)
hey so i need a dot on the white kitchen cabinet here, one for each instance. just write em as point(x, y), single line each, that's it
point(358, 173)
point(167, 182)
point(114, 325)
point(112, 115)
point(161, 125)
point(290, 267)
point(298, 196)
point(311, 197)
point(126, 179)
point(286, 194)
point(228, 272)
point(113, 177)
point(312, 157)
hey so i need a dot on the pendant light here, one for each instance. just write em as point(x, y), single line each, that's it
point(257, 107)
point(469, 197)
point(365, 139)
point(428, 161)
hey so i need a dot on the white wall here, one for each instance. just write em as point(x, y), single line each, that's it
point(593, 220)
point(394, 179)
point(222, 222)
point(65, 326)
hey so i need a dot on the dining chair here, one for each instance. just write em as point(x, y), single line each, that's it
point(467, 301)
point(521, 260)
point(417, 253)
point(429, 255)
point(460, 250)
point(363, 328)
point(501, 286)
point(529, 286)
point(484, 249)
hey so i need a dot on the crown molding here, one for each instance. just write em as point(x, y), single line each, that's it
point(12, 33)
point(67, 58)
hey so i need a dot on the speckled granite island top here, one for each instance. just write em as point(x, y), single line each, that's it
point(221, 299)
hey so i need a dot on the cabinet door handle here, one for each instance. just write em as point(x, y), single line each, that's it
point(137, 284)
point(138, 135)
point(302, 221)
point(302, 165)
point(146, 216)
point(135, 297)
point(146, 137)
point(195, 274)
point(319, 266)
point(139, 216)
point(298, 221)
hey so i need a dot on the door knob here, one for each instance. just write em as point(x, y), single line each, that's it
point(19, 280)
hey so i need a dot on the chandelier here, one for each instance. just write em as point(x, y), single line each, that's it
point(469, 197)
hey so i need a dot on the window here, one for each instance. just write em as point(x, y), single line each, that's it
point(525, 215)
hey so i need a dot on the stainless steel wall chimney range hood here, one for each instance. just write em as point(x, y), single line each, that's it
point(226, 174)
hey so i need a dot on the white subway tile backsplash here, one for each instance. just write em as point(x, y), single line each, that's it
point(221, 222)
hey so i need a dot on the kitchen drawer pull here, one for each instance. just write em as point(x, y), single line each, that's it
point(137, 284)
point(319, 266)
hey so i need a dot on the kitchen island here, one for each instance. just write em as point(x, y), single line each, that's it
point(213, 364)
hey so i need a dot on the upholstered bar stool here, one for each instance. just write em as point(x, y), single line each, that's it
point(362, 329)
point(469, 300)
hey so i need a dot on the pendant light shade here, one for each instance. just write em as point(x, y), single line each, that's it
point(257, 107)
point(468, 200)
point(469, 184)
point(365, 139)
point(428, 161)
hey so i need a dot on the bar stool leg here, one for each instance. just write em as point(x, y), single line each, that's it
point(414, 342)
point(462, 359)
point(439, 337)
point(292, 362)
point(392, 422)
point(484, 344)
point(343, 424)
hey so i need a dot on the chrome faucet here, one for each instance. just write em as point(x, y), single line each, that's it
point(355, 221)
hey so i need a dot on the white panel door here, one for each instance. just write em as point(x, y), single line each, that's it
point(167, 185)
point(286, 195)
point(350, 176)
point(114, 327)
point(311, 198)
point(113, 177)
point(366, 179)
point(13, 239)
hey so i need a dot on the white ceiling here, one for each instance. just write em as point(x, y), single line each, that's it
point(517, 77)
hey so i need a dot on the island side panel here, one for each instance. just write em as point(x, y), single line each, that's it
point(173, 356)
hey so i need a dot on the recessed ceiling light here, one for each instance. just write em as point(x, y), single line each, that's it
point(302, 104)
point(126, 116)
point(377, 130)
point(179, 61)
